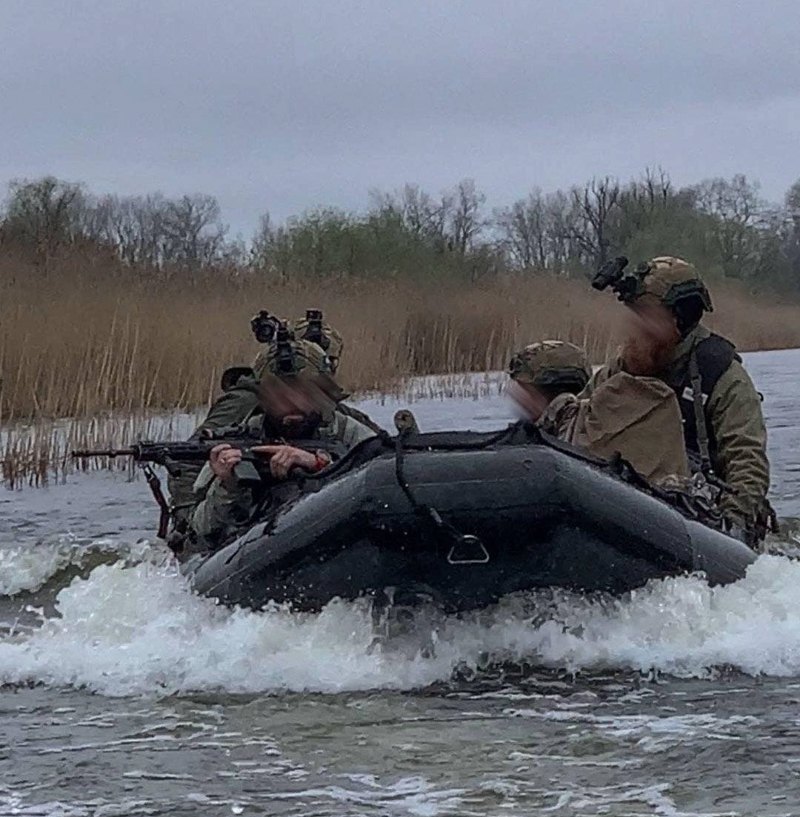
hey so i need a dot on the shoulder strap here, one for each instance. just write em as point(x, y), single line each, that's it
point(707, 361)
point(699, 412)
point(360, 416)
point(714, 356)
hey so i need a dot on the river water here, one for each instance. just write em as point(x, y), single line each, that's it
point(123, 694)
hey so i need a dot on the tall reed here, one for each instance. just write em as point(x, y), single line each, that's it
point(88, 339)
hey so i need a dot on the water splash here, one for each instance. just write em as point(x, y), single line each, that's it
point(138, 630)
point(28, 569)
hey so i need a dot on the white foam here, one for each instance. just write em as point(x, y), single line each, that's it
point(138, 630)
point(27, 569)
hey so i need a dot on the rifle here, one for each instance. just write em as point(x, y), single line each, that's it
point(170, 455)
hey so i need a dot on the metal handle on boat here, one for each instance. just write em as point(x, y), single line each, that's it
point(469, 541)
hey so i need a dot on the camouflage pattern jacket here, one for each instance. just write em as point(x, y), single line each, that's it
point(735, 424)
point(223, 511)
point(233, 407)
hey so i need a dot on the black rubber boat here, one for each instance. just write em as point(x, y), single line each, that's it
point(466, 518)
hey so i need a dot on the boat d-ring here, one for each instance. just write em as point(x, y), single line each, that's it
point(476, 551)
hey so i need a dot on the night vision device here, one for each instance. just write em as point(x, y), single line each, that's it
point(627, 286)
point(314, 330)
point(284, 351)
point(264, 326)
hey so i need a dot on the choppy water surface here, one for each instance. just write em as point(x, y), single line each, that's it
point(126, 695)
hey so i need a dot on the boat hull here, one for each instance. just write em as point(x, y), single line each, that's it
point(533, 517)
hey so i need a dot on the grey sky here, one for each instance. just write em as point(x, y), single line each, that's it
point(284, 105)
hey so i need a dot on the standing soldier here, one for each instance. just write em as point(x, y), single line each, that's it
point(723, 424)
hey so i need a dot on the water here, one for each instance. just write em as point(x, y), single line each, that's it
point(125, 695)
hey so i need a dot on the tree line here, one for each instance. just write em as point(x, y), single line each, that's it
point(723, 225)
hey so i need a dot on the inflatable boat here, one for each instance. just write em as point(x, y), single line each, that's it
point(466, 518)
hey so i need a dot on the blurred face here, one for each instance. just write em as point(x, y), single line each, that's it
point(650, 338)
point(530, 401)
point(294, 406)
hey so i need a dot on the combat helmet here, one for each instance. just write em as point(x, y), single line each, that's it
point(673, 280)
point(313, 327)
point(288, 358)
point(667, 280)
point(551, 364)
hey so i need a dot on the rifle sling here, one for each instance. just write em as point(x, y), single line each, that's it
point(154, 483)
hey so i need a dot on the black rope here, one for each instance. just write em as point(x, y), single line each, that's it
point(424, 511)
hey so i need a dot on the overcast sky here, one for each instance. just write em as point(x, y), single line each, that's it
point(280, 106)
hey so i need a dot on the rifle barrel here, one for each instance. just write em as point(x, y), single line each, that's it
point(85, 453)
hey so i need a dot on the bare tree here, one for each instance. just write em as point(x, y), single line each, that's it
point(793, 203)
point(735, 201)
point(421, 215)
point(643, 197)
point(653, 190)
point(424, 217)
point(193, 232)
point(737, 212)
point(154, 230)
point(595, 205)
point(523, 233)
point(43, 214)
point(539, 231)
point(791, 233)
point(136, 227)
point(560, 230)
point(466, 219)
point(262, 241)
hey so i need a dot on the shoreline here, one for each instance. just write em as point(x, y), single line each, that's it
point(36, 453)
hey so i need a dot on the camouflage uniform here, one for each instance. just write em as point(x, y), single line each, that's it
point(225, 510)
point(624, 416)
point(737, 437)
point(551, 364)
point(233, 408)
point(237, 404)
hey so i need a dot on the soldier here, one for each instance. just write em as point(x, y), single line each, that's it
point(239, 402)
point(633, 416)
point(637, 417)
point(298, 399)
point(240, 395)
point(312, 327)
point(723, 424)
point(542, 371)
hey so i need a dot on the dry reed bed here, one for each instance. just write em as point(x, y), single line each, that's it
point(110, 347)
point(36, 453)
point(79, 344)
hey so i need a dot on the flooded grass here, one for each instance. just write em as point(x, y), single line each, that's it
point(38, 453)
